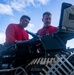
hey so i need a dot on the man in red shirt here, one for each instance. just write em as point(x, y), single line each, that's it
point(16, 32)
point(47, 27)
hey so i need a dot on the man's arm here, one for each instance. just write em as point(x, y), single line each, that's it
point(10, 34)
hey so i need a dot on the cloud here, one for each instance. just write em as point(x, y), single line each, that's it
point(30, 27)
point(43, 2)
point(2, 38)
point(6, 9)
point(70, 43)
point(19, 5)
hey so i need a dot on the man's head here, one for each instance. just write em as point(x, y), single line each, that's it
point(46, 19)
point(24, 20)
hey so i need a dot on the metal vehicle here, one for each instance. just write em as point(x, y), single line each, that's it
point(41, 55)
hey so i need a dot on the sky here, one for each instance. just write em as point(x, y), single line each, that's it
point(12, 10)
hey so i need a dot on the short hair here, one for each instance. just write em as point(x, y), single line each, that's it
point(25, 16)
point(46, 13)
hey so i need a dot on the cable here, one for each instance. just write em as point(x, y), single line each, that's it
point(23, 70)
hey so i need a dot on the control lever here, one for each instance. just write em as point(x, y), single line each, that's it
point(34, 35)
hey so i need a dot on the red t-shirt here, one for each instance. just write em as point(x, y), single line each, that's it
point(15, 33)
point(46, 30)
